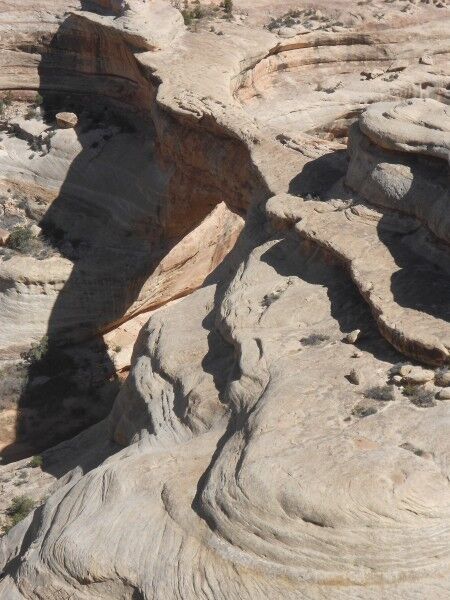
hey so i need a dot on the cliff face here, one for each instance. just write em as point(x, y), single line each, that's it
point(133, 205)
point(271, 439)
point(129, 224)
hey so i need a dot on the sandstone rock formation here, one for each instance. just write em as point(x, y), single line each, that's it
point(265, 196)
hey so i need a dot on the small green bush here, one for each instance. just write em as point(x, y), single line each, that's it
point(36, 461)
point(21, 239)
point(21, 506)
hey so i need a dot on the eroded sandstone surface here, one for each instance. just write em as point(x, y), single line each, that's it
point(243, 241)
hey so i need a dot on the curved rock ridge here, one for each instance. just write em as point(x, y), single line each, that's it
point(414, 126)
point(270, 441)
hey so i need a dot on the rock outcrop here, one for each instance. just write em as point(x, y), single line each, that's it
point(283, 430)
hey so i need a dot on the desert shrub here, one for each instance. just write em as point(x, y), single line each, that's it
point(290, 18)
point(314, 339)
point(21, 506)
point(190, 15)
point(21, 239)
point(37, 352)
point(409, 389)
point(384, 393)
point(36, 461)
point(228, 6)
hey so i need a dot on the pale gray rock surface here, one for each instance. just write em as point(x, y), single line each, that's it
point(239, 461)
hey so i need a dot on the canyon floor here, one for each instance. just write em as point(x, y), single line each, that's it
point(224, 300)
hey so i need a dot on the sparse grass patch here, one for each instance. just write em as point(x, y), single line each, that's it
point(384, 393)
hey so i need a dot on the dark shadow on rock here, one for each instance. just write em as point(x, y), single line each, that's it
point(319, 175)
point(105, 221)
point(221, 360)
point(294, 257)
point(418, 284)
